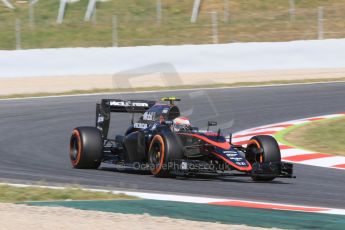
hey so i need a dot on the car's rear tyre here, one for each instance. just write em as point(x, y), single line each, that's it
point(164, 149)
point(86, 148)
point(270, 152)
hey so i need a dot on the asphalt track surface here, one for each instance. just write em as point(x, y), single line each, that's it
point(35, 135)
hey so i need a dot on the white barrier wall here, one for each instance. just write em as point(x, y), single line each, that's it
point(186, 59)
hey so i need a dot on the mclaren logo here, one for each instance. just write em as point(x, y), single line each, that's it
point(128, 104)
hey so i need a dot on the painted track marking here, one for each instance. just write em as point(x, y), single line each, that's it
point(290, 153)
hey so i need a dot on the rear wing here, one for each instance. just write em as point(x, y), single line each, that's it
point(127, 106)
point(108, 106)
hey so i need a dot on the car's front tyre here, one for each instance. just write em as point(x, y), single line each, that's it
point(270, 152)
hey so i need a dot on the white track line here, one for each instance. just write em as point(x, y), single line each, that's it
point(294, 152)
point(167, 90)
point(326, 161)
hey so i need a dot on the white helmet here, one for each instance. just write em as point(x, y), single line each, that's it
point(180, 123)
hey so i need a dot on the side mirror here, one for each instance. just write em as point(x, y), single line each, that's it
point(211, 123)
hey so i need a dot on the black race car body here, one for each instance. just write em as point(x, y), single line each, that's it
point(152, 141)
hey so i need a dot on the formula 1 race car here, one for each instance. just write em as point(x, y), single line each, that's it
point(166, 144)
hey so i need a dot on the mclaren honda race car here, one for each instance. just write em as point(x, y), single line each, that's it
point(166, 144)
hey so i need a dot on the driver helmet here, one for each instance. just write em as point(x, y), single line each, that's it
point(181, 123)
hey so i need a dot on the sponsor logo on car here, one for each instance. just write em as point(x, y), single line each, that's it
point(149, 116)
point(128, 103)
point(236, 158)
point(140, 125)
point(100, 119)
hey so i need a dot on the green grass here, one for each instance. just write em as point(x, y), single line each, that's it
point(325, 136)
point(112, 90)
point(250, 20)
point(13, 194)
